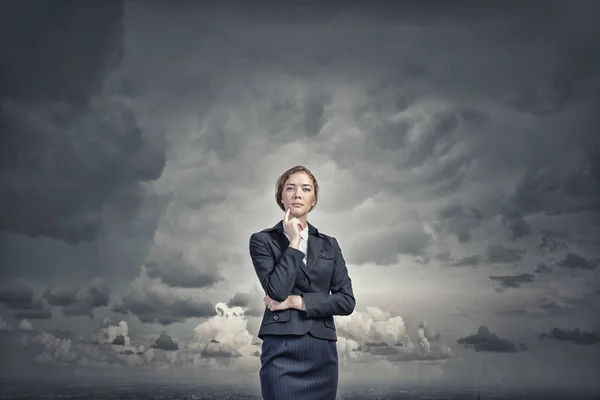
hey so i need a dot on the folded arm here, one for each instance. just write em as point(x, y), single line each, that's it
point(276, 278)
point(341, 300)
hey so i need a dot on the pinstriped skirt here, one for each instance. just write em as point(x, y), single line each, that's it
point(298, 367)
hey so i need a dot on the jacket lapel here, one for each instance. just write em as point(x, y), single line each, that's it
point(315, 244)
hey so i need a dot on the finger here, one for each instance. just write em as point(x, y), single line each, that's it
point(287, 215)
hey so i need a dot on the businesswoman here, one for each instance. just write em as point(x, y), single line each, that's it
point(306, 283)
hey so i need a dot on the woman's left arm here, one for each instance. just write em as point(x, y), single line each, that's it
point(341, 300)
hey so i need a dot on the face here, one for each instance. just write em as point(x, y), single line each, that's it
point(298, 189)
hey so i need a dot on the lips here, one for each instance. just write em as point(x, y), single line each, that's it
point(297, 204)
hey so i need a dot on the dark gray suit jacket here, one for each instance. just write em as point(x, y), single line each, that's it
point(323, 282)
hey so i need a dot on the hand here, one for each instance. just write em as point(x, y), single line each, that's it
point(293, 301)
point(292, 226)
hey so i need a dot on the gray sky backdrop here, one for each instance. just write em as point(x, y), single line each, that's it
point(456, 148)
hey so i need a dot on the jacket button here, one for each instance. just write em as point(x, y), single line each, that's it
point(275, 317)
point(323, 255)
point(306, 280)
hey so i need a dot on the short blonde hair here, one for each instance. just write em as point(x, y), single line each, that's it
point(284, 177)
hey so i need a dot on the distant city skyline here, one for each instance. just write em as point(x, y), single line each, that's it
point(456, 148)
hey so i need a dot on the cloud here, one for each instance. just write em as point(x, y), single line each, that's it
point(225, 339)
point(512, 281)
point(61, 295)
point(459, 220)
point(165, 342)
point(484, 340)
point(67, 126)
point(4, 326)
point(153, 302)
point(574, 261)
point(97, 295)
point(553, 241)
point(20, 298)
point(469, 261)
point(576, 335)
point(375, 334)
point(26, 326)
point(542, 268)
point(559, 188)
point(250, 302)
point(516, 225)
point(498, 254)
point(173, 269)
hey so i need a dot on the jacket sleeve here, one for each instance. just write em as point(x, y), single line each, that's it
point(341, 300)
point(276, 277)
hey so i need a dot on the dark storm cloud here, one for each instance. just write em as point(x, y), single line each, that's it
point(97, 295)
point(119, 340)
point(20, 299)
point(577, 336)
point(61, 295)
point(171, 267)
point(498, 254)
point(516, 225)
point(84, 156)
point(43, 313)
point(553, 241)
point(165, 342)
point(542, 268)
point(512, 281)
point(253, 307)
point(75, 301)
point(556, 188)
point(575, 261)
point(163, 307)
point(484, 340)
point(16, 295)
point(459, 220)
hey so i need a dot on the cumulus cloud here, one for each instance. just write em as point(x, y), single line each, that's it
point(376, 334)
point(225, 337)
point(25, 326)
point(484, 340)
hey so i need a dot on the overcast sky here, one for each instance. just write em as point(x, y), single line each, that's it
point(456, 148)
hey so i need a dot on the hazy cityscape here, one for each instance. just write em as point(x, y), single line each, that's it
point(189, 391)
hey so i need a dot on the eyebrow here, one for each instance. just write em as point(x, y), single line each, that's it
point(304, 184)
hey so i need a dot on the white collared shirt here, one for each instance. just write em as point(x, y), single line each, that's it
point(303, 243)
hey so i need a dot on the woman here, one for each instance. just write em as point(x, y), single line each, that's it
point(306, 283)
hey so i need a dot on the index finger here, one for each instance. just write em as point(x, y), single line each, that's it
point(287, 214)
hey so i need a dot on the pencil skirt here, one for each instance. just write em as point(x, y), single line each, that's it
point(298, 367)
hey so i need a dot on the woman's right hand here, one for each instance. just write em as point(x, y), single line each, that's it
point(292, 227)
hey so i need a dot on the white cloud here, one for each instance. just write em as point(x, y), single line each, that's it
point(26, 326)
